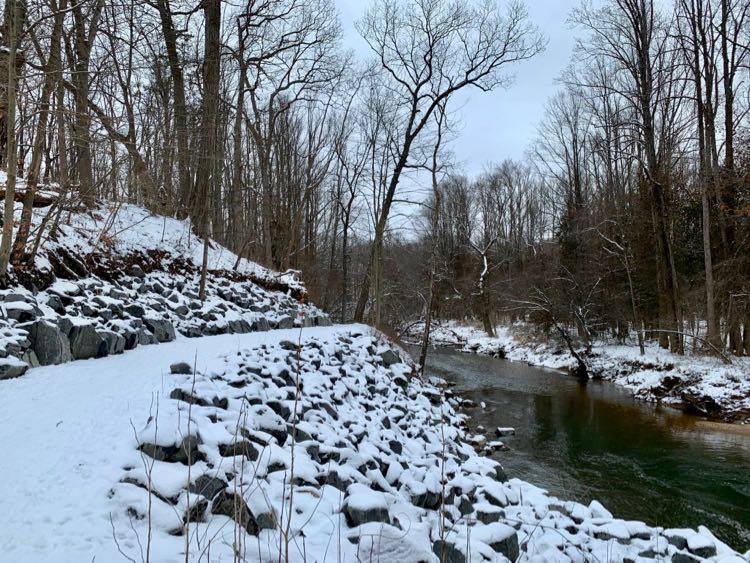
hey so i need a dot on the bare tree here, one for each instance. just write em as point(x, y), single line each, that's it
point(428, 50)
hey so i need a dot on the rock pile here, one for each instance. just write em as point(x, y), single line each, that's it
point(92, 318)
point(369, 462)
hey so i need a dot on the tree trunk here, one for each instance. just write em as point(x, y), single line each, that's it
point(207, 156)
point(83, 40)
point(180, 108)
point(14, 12)
point(51, 71)
point(236, 211)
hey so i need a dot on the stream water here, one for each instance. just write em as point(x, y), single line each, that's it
point(594, 441)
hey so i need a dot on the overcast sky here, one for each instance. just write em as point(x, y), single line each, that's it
point(500, 124)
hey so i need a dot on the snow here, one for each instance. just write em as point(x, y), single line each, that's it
point(67, 432)
point(120, 229)
point(361, 497)
point(79, 489)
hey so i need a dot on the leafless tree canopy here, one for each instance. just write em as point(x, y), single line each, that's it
point(629, 215)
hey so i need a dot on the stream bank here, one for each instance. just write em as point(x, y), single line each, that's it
point(595, 441)
point(696, 384)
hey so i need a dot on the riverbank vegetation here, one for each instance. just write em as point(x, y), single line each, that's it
point(629, 219)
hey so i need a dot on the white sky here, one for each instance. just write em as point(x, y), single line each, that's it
point(500, 124)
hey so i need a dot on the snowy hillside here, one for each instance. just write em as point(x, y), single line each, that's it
point(118, 277)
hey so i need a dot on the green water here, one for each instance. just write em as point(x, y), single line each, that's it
point(594, 441)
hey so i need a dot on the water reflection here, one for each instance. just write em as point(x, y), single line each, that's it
point(642, 461)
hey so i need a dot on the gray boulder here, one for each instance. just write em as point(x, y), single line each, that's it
point(162, 330)
point(21, 311)
point(135, 310)
point(240, 326)
point(49, 343)
point(136, 271)
point(447, 552)
point(180, 368)
point(145, 337)
point(507, 546)
point(286, 322)
point(364, 505)
point(324, 321)
point(115, 342)
point(86, 342)
point(12, 367)
point(260, 325)
point(234, 507)
point(29, 356)
point(186, 452)
point(55, 303)
point(389, 357)
point(207, 486)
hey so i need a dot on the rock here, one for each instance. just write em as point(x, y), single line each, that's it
point(115, 342)
point(701, 546)
point(136, 271)
point(504, 540)
point(288, 345)
point(234, 507)
point(12, 367)
point(135, 310)
point(18, 298)
point(181, 395)
point(465, 506)
point(207, 486)
point(364, 505)
point(196, 512)
point(265, 518)
point(335, 480)
point(428, 500)
point(55, 303)
point(162, 330)
point(279, 408)
point(501, 432)
point(145, 337)
point(186, 452)
point(21, 311)
point(260, 325)
point(324, 321)
point(29, 356)
point(681, 557)
point(488, 514)
point(242, 448)
point(389, 357)
point(500, 474)
point(395, 447)
point(286, 322)
point(240, 326)
point(447, 552)
point(49, 343)
point(598, 511)
point(181, 368)
point(86, 343)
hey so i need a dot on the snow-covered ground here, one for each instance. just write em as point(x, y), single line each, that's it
point(103, 459)
point(700, 384)
point(119, 229)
